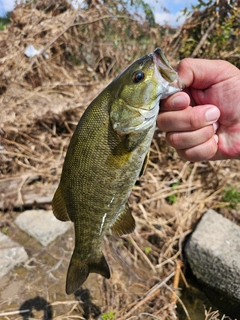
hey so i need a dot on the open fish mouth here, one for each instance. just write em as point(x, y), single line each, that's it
point(166, 71)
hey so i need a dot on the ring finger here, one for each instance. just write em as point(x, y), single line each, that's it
point(185, 140)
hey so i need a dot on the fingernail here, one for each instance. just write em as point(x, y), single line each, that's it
point(216, 138)
point(212, 114)
point(215, 126)
point(179, 101)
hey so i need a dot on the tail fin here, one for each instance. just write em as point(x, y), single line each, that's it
point(78, 271)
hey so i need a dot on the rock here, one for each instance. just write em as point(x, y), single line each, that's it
point(42, 225)
point(11, 254)
point(213, 252)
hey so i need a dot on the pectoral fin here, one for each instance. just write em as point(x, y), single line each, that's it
point(124, 223)
point(59, 207)
point(133, 140)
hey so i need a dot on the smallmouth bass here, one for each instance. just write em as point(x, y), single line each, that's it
point(107, 153)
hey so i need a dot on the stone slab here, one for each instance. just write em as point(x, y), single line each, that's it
point(11, 254)
point(213, 252)
point(42, 225)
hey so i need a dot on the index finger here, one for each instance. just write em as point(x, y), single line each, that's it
point(188, 119)
point(177, 101)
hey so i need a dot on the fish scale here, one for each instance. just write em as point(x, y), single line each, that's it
point(107, 153)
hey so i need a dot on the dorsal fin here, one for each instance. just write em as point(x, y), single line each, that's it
point(124, 222)
point(59, 207)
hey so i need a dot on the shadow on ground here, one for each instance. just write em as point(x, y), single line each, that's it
point(89, 308)
point(39, 304)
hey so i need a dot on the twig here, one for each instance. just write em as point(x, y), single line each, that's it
point(204, 38)
point(102, 18)
point(176, 280)
point(21, 156)
point(19, 145)
point(180, 189)
point(151, 293)
point(180, 301)
point(11, 313)
point(60, 34)
point(142, 254)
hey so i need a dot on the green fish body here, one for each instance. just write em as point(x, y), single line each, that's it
point(106, 155)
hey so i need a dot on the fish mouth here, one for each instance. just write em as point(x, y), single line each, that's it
point(165, 69)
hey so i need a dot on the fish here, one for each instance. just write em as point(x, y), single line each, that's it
point(107, 153)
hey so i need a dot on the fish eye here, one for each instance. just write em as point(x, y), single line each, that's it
point(138, 76)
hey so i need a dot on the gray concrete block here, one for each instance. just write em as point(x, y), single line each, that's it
point(42, 225)
point(11, 254)
point(213, 252)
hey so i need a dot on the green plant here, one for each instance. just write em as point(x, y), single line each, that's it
point(232, 196)
point(129, 241)
point(211, 31)
point(5, 230)
point(148, 250)
point(121, 243)
point(172, 198)
point(4, 21)
point(149, 15)
point(108, 316)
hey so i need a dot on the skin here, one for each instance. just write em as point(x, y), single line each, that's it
point(210, 130)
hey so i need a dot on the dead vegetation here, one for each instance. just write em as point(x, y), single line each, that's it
point(211, 32)
point(42, 99)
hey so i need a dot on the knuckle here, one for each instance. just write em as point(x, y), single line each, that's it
point(194, 120)
point(206, 133)
point(184, 63)
point(173, 139)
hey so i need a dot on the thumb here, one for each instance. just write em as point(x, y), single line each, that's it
point(203, 73)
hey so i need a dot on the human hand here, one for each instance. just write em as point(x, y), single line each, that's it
point(203, 123)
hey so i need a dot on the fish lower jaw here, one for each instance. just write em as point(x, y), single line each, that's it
point(146, 124)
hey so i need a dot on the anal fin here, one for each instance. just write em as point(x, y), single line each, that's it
point(59, 207)
point(124, 223)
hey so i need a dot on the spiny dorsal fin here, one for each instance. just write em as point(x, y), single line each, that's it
point(124, 223)
point(59, 207)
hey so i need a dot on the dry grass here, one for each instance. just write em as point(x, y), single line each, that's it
point(42, 101)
